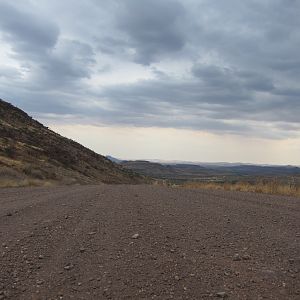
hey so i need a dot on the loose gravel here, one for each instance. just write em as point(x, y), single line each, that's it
point(147, 242)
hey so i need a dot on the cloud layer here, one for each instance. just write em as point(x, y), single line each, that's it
point(218, 66)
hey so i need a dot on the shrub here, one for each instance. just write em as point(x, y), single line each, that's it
point(10, 151)
point(34, 173)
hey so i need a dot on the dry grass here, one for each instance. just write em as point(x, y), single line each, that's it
point(6, 183)
point(10, 177)
point(271, 187)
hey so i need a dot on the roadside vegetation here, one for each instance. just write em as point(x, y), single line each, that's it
point(273, 187)
point(8, 183)
point(10, 177)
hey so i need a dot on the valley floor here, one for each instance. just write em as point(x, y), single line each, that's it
point(147, 242)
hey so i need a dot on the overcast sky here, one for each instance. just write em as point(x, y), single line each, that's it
point(188, 80)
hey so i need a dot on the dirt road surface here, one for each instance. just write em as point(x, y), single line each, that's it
point(147, 242)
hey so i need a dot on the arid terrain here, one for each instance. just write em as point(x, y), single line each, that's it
point(147, 242)
point(268, 179)
point(32, 154)
point(201, 172)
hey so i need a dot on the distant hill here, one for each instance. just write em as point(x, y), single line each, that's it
point(30, 152)
point(166, 171)
point(113, 159)
point(208, 172)
point(261, 170)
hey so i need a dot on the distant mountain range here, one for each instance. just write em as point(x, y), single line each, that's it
point(31, 151)
point(206, 171)
point(113, 159)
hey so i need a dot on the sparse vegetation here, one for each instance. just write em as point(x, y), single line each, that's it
point(10, 151)
point(5, 183)
point(273, 187)
point(31, 154)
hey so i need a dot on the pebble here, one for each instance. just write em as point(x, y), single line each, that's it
point(68, 267)
point(236, 257)
point(135, 236)
point(291, 261)
point(222, 295)
point(82, 249)
point(246, 257)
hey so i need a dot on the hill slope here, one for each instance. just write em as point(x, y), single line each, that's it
point(30, 152)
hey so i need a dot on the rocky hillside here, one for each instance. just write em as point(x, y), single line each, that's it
point(30, 153)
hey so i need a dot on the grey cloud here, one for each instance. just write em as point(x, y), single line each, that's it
point(244, 77)
point(153, 28)
point(225, 78)
point(170, 100)
point(241, 36)
point(285, 65)
point(49, 61)
point(112, 45)
point(25, 30)
point(9, 72)
point(67, 64)
point(290, 92)
point(258, 82)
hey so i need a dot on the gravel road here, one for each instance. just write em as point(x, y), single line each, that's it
point(147, 242)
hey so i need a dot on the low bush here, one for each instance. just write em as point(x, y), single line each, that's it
point(33, 172)
point(8, 173)
point(10, 151)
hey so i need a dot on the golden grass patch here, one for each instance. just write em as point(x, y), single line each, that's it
point(10, 162)
point(271, 187)
point(8, 183)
